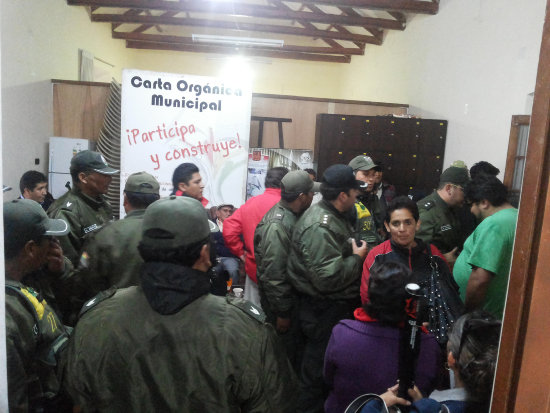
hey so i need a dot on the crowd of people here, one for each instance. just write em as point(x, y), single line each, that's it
point(138, 314)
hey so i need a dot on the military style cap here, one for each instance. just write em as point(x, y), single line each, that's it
point(361, 163)
point(91, 161)
point(175, 222)
point(142, 183)
point(455, 175)
point(225, 205)
point(24, 220)
point(299, 182)
point(459, 164)
point(341, 176)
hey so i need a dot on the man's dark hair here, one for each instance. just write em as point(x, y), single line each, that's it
point(274, 176)
point(330, 193)
point(139, 200)
point(185, 255)
point(486, 187)
point(183, 173)
point(483, 167)
point(30, 179)
point(75, 172)
point(387, 294)
point(311, 172)
point(402, 202)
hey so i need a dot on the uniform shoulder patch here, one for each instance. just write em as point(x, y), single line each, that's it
point(428, 205)
point(102, 296)
point(325, 220)
point(247, 307)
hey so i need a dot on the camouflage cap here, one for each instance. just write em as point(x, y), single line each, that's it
point(176, 221)
point(91, 161)
point(455, 175)
point(299, 182)
point(361, 163)
point(142, 183)
point(25, 220)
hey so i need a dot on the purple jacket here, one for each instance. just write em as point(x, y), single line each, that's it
point(362, 357)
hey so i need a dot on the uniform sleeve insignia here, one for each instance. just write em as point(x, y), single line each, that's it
point(429, 205)
point(248, 308)
point(102, 296)
point(325, 220)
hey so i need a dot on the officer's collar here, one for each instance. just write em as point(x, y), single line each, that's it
point(95, 203)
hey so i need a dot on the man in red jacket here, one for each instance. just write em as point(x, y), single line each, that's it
point(238, 229)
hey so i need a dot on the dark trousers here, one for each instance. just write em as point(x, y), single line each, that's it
point(317, 318)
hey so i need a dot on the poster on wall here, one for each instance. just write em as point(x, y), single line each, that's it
point(262, 159)
point(169, 119)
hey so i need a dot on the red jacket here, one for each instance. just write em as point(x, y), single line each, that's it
point(243, 223)
point(415, 258)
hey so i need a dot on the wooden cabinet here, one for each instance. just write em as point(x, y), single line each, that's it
point(411, 149)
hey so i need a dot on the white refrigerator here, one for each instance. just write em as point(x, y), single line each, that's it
point(61, 152)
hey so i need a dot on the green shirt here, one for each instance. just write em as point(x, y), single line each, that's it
point(489, 247)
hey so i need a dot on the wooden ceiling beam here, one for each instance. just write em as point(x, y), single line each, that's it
point(241, 9)
point(404, 6)
point(133, 44)
point(331, 42)
point(379, 34)
point(181, 40)
point(265, 28)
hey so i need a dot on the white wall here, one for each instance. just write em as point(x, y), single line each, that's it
point(479, 53)
point(40, 42)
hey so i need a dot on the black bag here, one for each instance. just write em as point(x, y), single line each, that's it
point(443, 301)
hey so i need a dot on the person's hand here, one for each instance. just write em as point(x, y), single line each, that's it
point(283, 324)
point(390, 397)
point(242, 258)
point(415, 394)
point(54, 257)
point(450, 256)
point(361, 251)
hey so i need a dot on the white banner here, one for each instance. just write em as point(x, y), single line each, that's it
point(169, 119)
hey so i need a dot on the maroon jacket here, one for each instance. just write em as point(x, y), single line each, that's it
point(243, 223)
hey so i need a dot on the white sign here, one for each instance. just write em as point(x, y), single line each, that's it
point(169, 119)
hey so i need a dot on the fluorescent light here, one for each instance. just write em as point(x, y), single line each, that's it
point(236, 41)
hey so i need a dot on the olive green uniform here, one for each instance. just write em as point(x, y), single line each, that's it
point(271, 247)
point(110, 256)
point(35, 340)
point(326, 273)
point(439, 224)
point(213, 355)
point(84, 215)
point(278, 298)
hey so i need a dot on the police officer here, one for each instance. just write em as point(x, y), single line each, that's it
point(110, 257)
point(35, 336)
point(439, 220)
point(324, 266)
point(271, 247)
point(369, 212)
point(84, 207)
point(169, 345)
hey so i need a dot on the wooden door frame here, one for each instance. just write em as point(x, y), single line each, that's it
point(526, 247)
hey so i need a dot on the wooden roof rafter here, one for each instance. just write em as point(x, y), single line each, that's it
point(340, 24)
